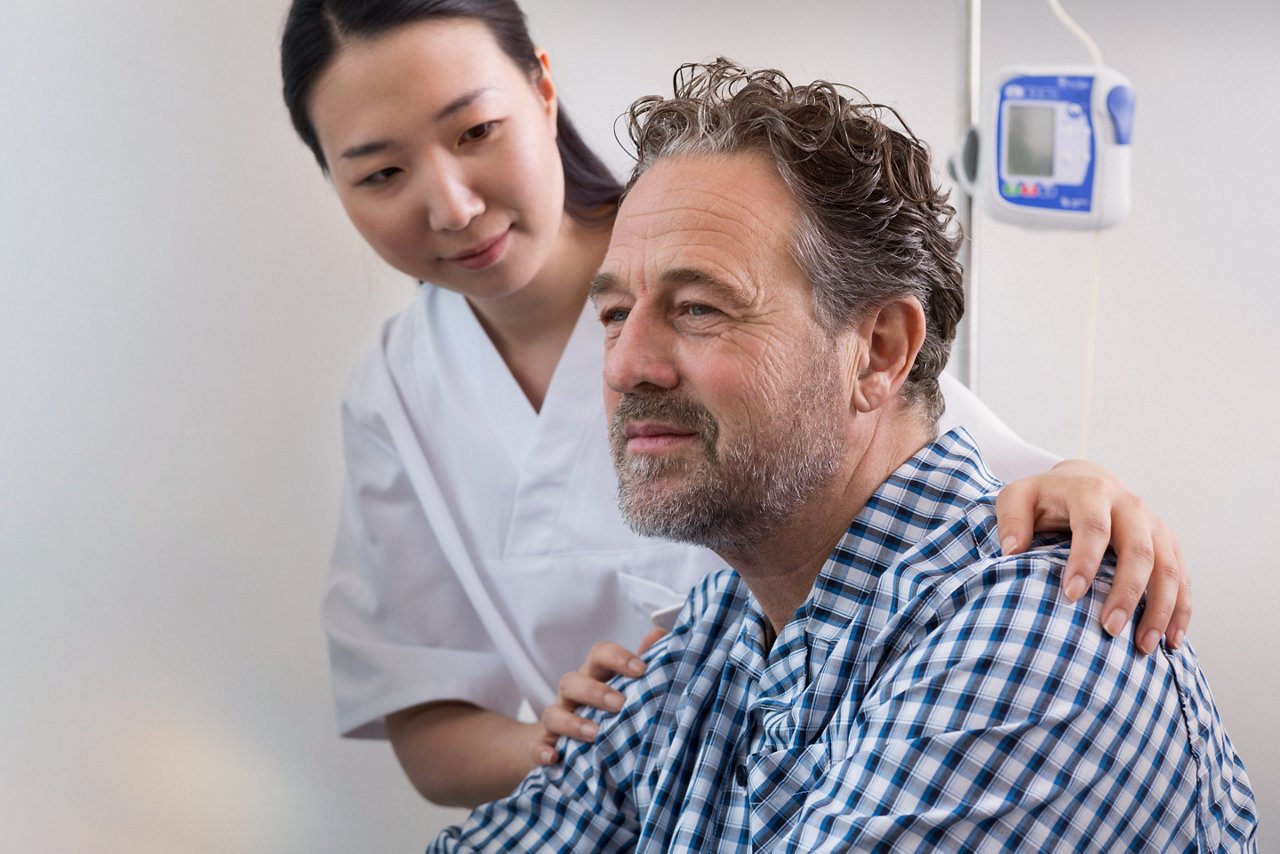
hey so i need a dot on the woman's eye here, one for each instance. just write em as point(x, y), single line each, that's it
point(379, 177)
point(479, 132)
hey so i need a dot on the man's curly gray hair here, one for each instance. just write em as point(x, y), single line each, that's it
point(873, 224)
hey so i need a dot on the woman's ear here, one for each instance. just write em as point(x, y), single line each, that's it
point(893, 334)
point(546, 87)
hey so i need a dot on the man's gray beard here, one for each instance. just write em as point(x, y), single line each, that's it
point(732, 501)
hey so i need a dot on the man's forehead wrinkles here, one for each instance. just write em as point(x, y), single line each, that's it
point(706, 235)
point(710, 208)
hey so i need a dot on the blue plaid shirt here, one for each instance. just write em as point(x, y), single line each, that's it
point(931, 694)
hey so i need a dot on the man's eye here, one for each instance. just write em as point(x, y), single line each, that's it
point(611, 316)
point(479, 132)
point(379, 177)
point(697, 309)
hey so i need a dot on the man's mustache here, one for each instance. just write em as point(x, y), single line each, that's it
point(668, 408)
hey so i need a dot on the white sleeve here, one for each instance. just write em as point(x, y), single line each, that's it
point(400, 628)
point(1009, 456)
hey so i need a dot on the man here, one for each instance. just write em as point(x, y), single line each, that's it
point(779, 297)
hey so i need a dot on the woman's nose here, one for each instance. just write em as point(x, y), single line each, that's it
point(452, 203)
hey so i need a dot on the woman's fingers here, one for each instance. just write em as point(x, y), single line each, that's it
point(1167, 610)
point(585, 686)
point(1181, 619)
point(1016, 513)
point(1091, 533)
point(543, 751)
point(578, 689)
point(1100, 513)
point(655, 634)
point(608, 659)
point(560, 721)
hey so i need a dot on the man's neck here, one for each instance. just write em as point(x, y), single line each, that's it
point(780, 571)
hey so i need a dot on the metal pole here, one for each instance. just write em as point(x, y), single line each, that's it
point(966, 346)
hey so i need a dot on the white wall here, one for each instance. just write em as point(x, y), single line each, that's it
point(181, 298)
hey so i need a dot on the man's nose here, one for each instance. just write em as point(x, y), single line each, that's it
point(452, 203)
point(640, 356)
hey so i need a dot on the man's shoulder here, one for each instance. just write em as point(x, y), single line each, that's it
point(959, 572)
point(968, 541)
point(926, 550)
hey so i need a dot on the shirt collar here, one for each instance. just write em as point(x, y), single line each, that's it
point(931, 487)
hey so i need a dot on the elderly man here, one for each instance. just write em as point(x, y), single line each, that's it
point(778, 299)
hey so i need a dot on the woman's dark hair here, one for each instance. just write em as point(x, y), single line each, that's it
point(316, 30)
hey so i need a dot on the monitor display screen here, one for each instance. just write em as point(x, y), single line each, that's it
point(1030, 141)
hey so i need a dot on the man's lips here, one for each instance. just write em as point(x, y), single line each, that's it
point(648, 436)
point(482, 254)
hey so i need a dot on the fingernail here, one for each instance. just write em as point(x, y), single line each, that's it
point(635, 666)
point(613, 700)
point(1176, 641)
point(1008, 544)
point(545, 756)
point(1150, 641)
point(1076, 588)
point(1114, 624)
point(588, 730)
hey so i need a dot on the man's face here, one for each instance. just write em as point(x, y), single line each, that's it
point(726, 396)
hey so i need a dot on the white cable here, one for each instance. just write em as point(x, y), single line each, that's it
point(1090, 341)
point(1078, 30)
point(1095, 273)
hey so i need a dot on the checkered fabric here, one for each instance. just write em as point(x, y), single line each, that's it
point(931, 694)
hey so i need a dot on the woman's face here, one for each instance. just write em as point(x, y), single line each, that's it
point(443, 153)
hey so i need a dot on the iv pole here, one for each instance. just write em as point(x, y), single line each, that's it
point(966, 346)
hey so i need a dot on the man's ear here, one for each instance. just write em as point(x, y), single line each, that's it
point(892, 335)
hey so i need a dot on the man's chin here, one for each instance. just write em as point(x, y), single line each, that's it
point(651, 493)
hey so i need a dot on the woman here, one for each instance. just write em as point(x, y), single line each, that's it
point(480, 552)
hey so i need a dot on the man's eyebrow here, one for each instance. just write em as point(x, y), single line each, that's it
point(605, 283)
point(378, 146)
point(694, 276)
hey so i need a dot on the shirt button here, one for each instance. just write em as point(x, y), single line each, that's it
point(741, 775)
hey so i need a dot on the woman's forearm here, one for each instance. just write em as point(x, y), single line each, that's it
point(459, 755)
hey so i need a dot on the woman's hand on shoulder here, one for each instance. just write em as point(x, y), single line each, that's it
point(587, 686)
point(1099, 511)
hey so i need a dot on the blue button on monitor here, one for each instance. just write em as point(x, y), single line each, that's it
point(1120, 105)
